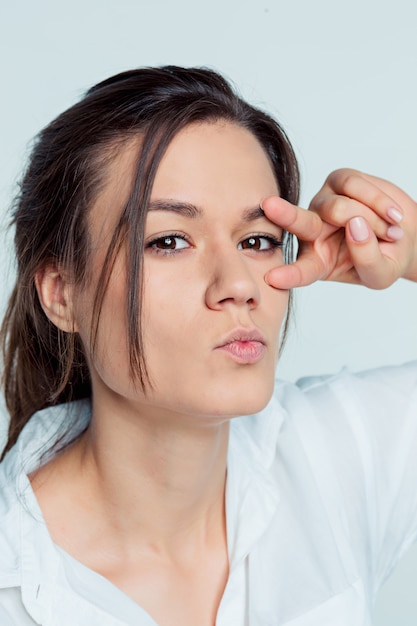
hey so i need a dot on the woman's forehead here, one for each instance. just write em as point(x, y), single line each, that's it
point(212, 160)
point(205, 164)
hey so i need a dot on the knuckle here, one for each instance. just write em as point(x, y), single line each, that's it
point(339, 209)
point(334, 209)
point(349, 182)
point(339, 177)
point(380, 198)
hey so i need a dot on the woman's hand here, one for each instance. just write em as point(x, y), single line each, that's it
point(368, 234)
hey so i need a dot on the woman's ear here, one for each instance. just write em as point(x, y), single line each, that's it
point(56, 296)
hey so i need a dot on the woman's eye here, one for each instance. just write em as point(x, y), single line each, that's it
point(259, 243)
point(168, 243)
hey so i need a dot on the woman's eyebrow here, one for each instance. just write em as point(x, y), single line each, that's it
point(183, 208)
point(250, 215)
point(191, 210)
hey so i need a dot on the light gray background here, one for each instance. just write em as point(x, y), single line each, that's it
point(340, 76)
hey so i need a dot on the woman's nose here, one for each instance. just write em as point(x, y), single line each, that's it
point(231, 281)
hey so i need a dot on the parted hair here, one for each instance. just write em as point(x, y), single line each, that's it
point(43, 365)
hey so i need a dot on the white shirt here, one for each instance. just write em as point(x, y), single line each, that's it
point(321, 503)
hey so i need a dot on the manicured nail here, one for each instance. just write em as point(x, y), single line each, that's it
point(395, 215)
point(395, 232)
point(358, 229)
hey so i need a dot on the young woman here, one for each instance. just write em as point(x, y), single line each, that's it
point(151, 237)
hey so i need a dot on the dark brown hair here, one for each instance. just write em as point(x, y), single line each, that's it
point(43, 365)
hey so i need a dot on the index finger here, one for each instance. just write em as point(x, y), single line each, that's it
point(306, 270)
point(306, 225)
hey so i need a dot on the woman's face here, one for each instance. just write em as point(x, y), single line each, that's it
point(211, 323)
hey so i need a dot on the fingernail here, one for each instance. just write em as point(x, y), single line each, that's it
point(358, 229)
point(395, 215)
point(395, 232)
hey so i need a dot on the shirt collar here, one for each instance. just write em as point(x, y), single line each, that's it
point(252, 490)
point(256, 435)
point(46, 431)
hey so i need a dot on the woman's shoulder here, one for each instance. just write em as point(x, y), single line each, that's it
point(36, 444)
point(10, 509)
point(374, 386)
point(330, 405)
point(342, 417)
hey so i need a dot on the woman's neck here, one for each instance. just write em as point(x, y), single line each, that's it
point(151, 478)
point(160, 473)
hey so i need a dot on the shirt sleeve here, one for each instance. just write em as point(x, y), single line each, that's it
point(369, 423)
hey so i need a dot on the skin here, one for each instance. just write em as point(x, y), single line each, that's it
point(140, 497)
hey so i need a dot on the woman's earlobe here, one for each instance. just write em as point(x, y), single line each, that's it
point(56, 297)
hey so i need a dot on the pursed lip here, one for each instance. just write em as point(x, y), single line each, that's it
point(244, 346)
point(242, 335)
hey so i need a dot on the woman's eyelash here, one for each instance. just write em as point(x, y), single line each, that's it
point(174, 243)
point(168, 243)
point(254, 242)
